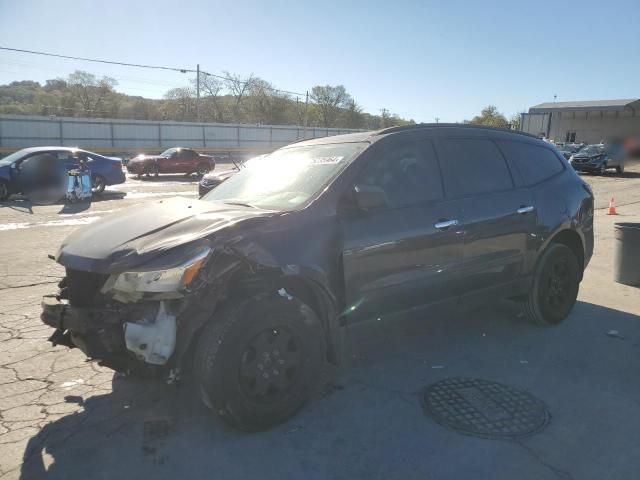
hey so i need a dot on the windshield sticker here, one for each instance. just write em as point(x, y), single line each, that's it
point(326, 160)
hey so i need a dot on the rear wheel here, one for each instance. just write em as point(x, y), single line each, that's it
point(203, 168)
point(97, 184)
point(261, 361)
point(4, 190)
point(555, 286)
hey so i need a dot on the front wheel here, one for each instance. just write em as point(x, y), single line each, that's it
point(555, 286)
point(152, 169)
point(260, 361)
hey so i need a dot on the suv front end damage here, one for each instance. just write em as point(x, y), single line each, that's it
point(129, 321)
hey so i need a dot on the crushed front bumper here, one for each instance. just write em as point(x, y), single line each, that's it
point(99, 332)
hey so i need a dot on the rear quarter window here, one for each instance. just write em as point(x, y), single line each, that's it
point(473, 166)
point(534, 163)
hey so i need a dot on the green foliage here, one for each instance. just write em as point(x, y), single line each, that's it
point(230, 100)
point(491, 117)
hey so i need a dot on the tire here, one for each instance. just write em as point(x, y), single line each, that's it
point(555, 286)
point(603, 169)
point(620, 170)
point(4, 190)
point(151, 170)
point(259, 362)
point(98, 184)
point(203, 169)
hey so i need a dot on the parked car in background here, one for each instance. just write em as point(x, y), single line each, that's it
point(13, 172)
point(173, 160)
point(599, 158)
point(251, 287)
point(569, 149)
point(212, 179)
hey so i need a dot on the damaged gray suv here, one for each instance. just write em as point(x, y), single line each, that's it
point(249, 289)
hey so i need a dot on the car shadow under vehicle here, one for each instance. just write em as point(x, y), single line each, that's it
point(164, 177)
point(370, 416)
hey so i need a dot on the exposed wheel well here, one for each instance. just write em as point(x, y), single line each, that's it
point(572, 240)
point(300, 288)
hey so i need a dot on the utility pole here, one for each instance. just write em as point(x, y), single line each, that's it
point(306, 116)
point(437, 119)
point(198, 92)
point(383, 117)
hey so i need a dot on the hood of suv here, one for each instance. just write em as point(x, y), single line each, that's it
point(118, 241)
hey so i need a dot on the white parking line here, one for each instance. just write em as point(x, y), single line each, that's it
point(50, 223)
point(92, 212)
point(134, 194)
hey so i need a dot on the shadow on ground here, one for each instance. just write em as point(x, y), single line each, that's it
point(369, 423)
point(178, 177)
point(23, 204)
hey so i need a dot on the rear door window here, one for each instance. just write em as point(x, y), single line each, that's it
point(473, 166)
point(408, 173)
point(534, 163)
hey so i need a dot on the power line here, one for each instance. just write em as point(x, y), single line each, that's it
point(84, 59)
point(139, 65)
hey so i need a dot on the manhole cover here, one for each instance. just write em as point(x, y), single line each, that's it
point(485, 409)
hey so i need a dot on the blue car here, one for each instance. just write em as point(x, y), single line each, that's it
point(14, 179)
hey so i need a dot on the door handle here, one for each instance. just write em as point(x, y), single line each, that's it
point(444, 224)
point(524, 210)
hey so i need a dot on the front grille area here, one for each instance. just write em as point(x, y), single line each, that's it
point(83, 288)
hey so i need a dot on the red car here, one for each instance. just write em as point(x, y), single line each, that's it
point(173, 160)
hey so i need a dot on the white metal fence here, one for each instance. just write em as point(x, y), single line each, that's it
point(110, 135)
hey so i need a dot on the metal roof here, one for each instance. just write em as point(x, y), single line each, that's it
point(586, 105)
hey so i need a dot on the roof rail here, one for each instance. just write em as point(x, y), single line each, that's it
point(419, 126)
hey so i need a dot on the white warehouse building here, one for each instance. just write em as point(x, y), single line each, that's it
point(585, 122)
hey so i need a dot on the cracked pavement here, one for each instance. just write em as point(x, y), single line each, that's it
point(64, 417)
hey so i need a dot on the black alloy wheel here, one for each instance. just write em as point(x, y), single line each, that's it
point(555, 286)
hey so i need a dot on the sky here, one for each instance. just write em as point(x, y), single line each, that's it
point(420, 59)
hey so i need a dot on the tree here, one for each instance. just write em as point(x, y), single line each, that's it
point(92, 93)
point(211, 105)
point(352, 115)
point(515, 121)
point(267, 105)
point(491, 117)
point(226, 99)
point(55, 84)
point(180, 104)
point(330, 101)
point(238, 89)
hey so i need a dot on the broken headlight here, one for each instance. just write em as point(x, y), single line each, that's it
point(172, 279)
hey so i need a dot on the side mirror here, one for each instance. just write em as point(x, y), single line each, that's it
point(369, 197)
point(14, 165)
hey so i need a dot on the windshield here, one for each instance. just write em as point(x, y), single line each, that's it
point(593, 150)
point(288, 178)
point(167, 153)
point(9, 159)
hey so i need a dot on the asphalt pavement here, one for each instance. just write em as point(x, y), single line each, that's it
point(64, 417)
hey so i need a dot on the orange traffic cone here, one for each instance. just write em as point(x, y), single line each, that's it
point(612, 207)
